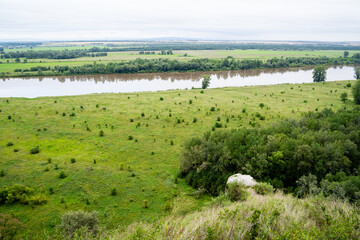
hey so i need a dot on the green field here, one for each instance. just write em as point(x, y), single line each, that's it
point(143, 168)
point(8, 67)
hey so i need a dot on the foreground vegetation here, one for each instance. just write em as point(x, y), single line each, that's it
point(118, 154)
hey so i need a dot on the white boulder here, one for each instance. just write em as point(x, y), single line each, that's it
point(246, 180)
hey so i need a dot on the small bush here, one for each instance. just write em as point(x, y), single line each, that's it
point(101, 133)
point(9, 144)
point(161, 98)
point(130, 138)
point(62, 175)
point(72, 160)
point(9, 226)
point(195, 120)
point(212, 109)
point(75, 220)
point(261, 105)
point(113, 192)
point(145, 204)
point(264, 188)
point(35, 150)
point(2, 173)
point(237, 192)
point(218, 125)
point(143, 114)
point(16, 150)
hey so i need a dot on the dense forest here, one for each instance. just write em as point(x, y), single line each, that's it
point(168, 65)
point(322, 147)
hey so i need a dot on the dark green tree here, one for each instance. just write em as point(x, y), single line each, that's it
point(344, 97)
point(319, 74)
point(346, 54)
point(357, 73)
point(205, 81)
point(356, 91)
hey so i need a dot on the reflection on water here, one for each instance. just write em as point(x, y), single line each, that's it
point(85, 84)
point(171, 76)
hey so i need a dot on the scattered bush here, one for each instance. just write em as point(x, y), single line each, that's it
point(130, 138)
point(205, 82)
point(72, 160)
point(75, 220)
point(62, 175)
point(264, 188)
point(212, 109)
point(113, 192)
point(9, 227)
point(101, 133)
point(237, 192)
point(9, 144)
point(356, 91)
point(2, 173)
point(35, 150)
point(145, 204)
point(161, 98)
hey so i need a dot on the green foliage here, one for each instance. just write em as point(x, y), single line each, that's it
point(9, 227)
point(62, 175)
point(356, 91)
point(72, 160)
point(320, 143)
point(357, 73)
point(145, 204)
point(113, 192)
point(344, 97)
point(9, 144)
point(307, 186)
point(264, 188)
point(22, 194)
point(101, 133)
point(205, 82)
point(75, 220)
point(237, 192)
point(319, 74)
point(35, 150)
point(2, 173)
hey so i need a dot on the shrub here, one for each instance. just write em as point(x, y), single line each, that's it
point(9, 144)
point(218, 125)
point(51, 190)
point(264, 188)
point(161, 98)
point(143, 114)
point(2, 173)
point(130, 137)
point(101, 133)
point(72, 160)
point(62, 175)
point(16, 150)
point(145, 204)
point(212, 109)
point(113, 192)
point(307, 186)
point(35, 150)
point(237, 192)
point(261, 105)
point(75, 220)
point(9, 226)
point(194, 120)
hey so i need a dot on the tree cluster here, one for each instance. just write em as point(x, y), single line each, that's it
point(51, 54)
point(320, 143)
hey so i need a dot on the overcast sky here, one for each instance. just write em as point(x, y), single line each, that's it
point(320, 20)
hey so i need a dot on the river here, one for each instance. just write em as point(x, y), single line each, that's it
point(32, 87)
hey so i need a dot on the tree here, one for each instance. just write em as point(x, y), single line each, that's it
point(346, 54)
point(206, 81)
point(319, 74)
point(344, 97)
point(357, 73)
point(356, 91)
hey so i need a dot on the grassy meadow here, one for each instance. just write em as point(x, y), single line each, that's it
point(139, 152)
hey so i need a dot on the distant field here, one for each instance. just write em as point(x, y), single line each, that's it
point(8, 68)
point(141, 167)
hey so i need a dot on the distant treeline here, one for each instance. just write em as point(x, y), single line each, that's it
point(226, 46)
point(169, 65)
point(51, 54)
point(321, 145)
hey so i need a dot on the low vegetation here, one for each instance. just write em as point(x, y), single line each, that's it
point(140, 158)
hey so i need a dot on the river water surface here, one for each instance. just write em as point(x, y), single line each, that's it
point(75, 85)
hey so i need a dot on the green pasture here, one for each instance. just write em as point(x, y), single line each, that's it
point(139, 152)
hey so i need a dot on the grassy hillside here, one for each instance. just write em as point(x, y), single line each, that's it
point(138, 154)
point(275, 216)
